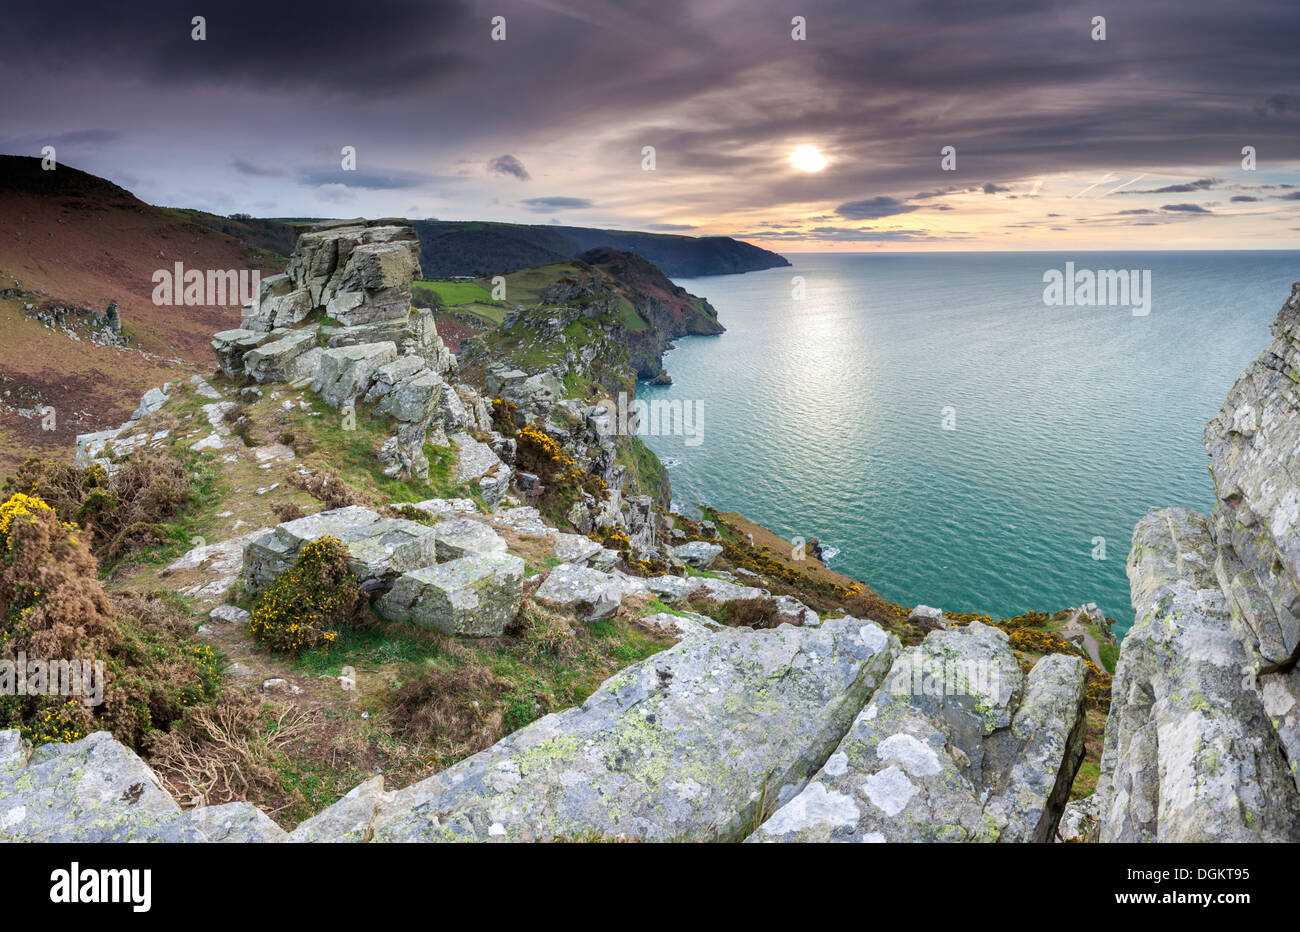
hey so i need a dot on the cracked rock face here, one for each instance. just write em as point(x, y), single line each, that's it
point(1254, 447)
point(690, 744)
point(476, 595)
point(1190, 753)
point(97, 790)
point(957, 745)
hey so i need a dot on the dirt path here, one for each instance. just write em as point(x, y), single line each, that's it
point(1090, 644)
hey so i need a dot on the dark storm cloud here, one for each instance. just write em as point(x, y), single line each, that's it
point(509, 165)
point(378, 46)
point(717, 86)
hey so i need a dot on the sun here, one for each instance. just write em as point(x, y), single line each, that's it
point(807, 159)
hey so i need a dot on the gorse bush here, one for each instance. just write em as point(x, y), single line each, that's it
point(53, 608)
point(308, 603)
point(119, 513)
point(539, 453)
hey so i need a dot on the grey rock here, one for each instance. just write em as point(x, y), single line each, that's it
point(152, 401)
point(379, 549)
point(273, 361)
point(574, 548)
point(347, 371)
point(686, 745)
point(415, 399)
point(230, 614)
point(671, 590)
point(1189, 753)
point(97, 790)
point(698, 553)
point(687, 624)
point(230, 347)
point(585, 592)
point(954, 747)
point(475, 595)
point(462, 537)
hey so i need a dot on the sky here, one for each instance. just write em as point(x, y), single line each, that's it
point(1062, 139)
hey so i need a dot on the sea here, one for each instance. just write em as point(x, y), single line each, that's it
point(952, 430)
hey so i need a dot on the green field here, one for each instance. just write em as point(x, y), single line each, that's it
point(450, 294)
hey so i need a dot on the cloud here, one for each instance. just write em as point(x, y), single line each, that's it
point(991, 188)
point(381, 180)
point(335, 193)
point(873, 208)
point(1202, 184)
point(670, 227)
point(1243, 198)
point(545, 205)
point(1140, 210)
point(508, 165)
point(257, 171)
point(1186, 208)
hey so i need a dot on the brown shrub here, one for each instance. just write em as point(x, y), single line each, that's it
point(456, 712)
point(329, 489)
point(287, 511)
point(52, 607)
point(227, 750)
point(739, 613)
point(119, 513)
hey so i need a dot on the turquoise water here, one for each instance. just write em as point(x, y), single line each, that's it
point(823, 417)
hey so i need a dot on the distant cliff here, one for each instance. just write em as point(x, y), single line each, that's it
point(474, 248)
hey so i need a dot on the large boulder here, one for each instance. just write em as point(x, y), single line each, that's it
point(1190, 754)
point(378, 548)
point(574, 548)
point(325, 264)
point(274, 361)
point(347, 371)
point(464, 536)
point(956, 746)
point(476, 595)
point(689, 745)
point(580, 590)
point(698, 553)
point(415, 399)
point(230, 347)
point(97, 790)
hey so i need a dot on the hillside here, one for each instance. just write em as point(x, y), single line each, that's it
point(73, 243)
point(452, 248)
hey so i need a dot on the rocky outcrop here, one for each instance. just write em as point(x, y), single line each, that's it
point(687, 745)
point(1190, 754)
point(97, 790)
point(379, 549)
point(1203, 740)
point(958, 745)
